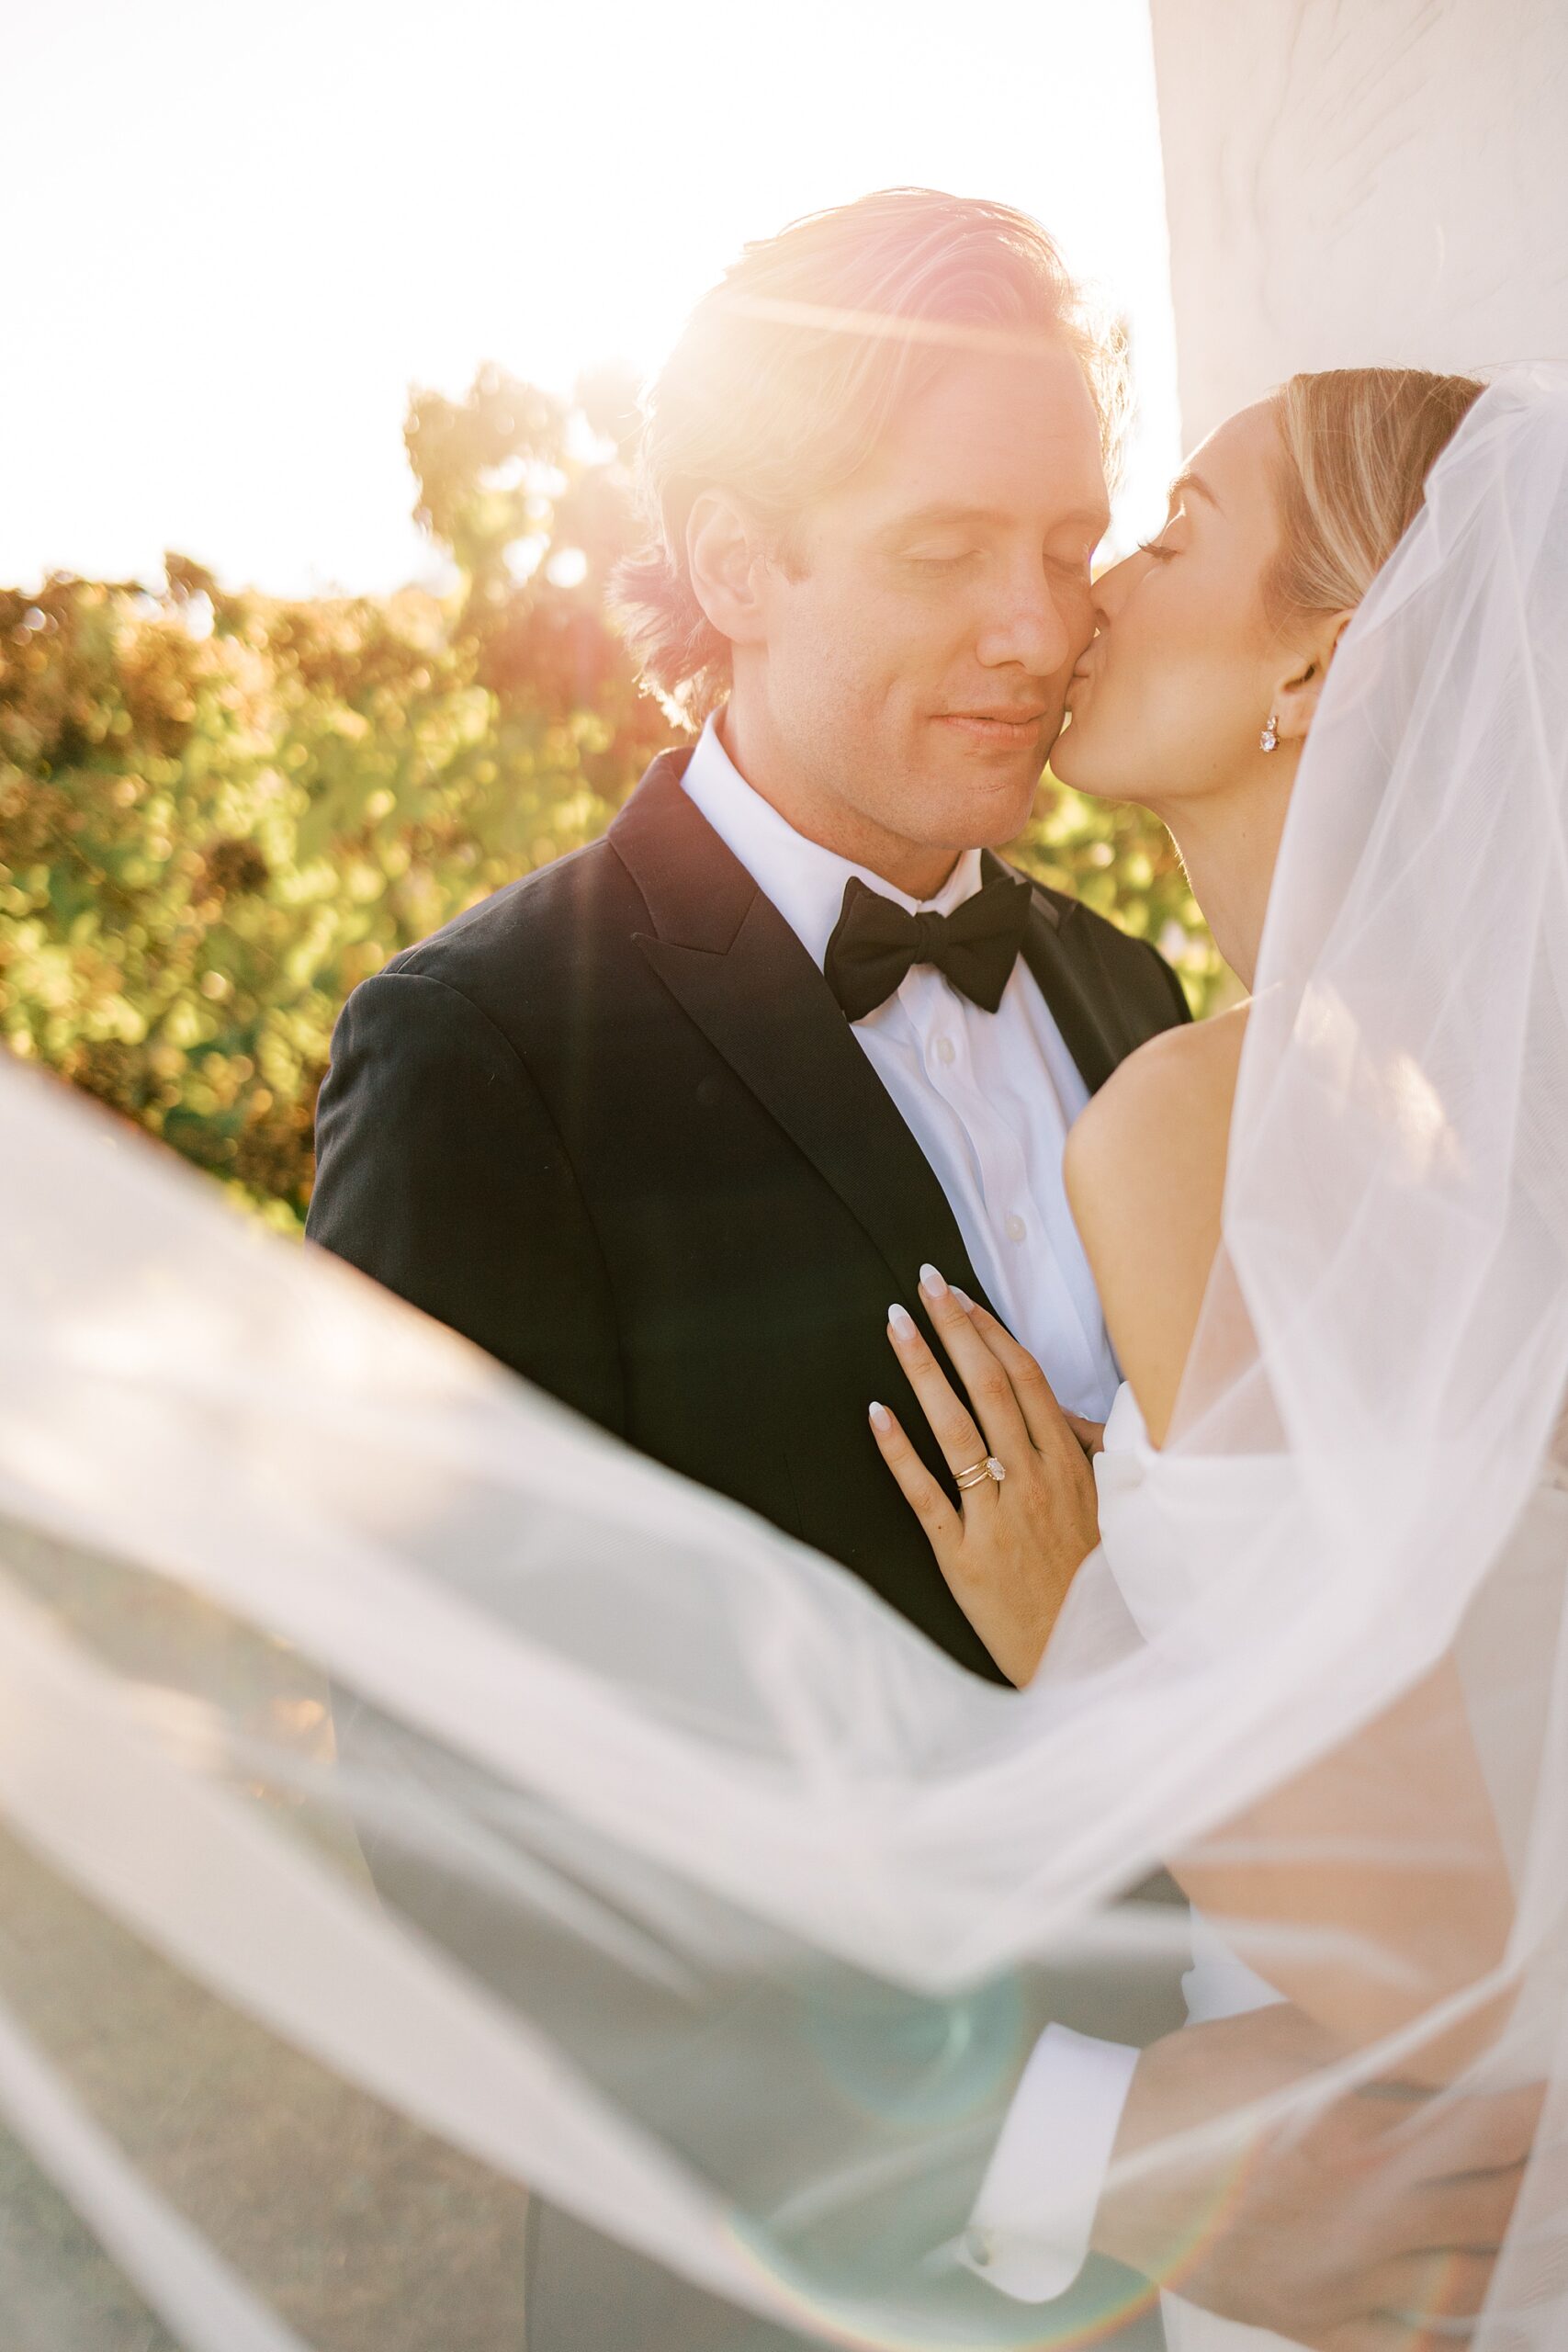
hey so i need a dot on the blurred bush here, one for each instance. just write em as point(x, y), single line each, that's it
point(220, 811)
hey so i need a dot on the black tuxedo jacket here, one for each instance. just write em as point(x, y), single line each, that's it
point(613, 1125)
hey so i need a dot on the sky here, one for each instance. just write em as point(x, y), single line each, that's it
point(239, 236)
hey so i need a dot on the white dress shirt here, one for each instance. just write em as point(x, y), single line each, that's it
point(988, 1098)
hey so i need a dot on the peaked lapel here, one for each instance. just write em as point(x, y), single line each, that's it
point(1064, 957)
point(732, 961)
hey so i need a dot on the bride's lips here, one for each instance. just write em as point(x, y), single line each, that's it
point(1013, 728)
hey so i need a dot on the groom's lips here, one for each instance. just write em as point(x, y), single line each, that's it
point(1013, 728)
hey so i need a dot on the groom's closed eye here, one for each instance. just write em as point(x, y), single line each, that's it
point(1074, 561)
point(940, 537)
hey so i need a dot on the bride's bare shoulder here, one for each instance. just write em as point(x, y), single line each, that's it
point(1145, 1173)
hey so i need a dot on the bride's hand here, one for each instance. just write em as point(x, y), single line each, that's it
point(1010, 1550)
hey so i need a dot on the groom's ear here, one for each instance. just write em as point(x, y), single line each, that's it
point(725, 564)
point(1295, 696)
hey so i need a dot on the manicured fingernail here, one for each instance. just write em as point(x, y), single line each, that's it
point(902, 1322)
point(931, 1282)
point(881, 1418)
point(964, 1301)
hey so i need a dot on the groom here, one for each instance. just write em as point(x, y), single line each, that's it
point(667, 1126)
point(618, 1123)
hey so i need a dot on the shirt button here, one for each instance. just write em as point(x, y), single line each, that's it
point(1015, 1229)
point(981, 2246)
point(944, 1050)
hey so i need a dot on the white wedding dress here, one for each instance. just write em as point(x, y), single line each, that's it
point(1155, 1554)
point(1155, 1535)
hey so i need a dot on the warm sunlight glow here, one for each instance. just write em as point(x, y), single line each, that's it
point(249, 235)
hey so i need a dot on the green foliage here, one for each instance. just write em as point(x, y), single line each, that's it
point(218, 812)
point(1123, 863)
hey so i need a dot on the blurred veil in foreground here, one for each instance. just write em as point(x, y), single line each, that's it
point(707, 1899)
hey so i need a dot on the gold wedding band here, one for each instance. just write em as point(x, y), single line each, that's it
point(977, 1474)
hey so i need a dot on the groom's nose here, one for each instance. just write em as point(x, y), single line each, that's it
point(1031, 624)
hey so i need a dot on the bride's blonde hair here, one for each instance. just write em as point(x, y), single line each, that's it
point(1356, 444)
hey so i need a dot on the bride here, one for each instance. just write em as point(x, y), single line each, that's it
point(1215, 642)
point(723, 1905)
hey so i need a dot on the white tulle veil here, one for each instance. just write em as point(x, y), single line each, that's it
point(703, 1897)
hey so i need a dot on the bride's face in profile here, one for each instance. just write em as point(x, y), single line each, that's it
point(1170, 698)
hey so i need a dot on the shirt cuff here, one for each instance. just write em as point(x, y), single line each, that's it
point(1029, 2234)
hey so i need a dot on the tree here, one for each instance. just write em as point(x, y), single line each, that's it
point(220, 811)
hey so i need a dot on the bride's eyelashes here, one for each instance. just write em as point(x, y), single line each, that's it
point(1157, 548)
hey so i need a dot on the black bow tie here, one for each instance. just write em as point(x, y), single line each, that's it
point(874, 943)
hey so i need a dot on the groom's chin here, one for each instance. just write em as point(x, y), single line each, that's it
point(991, 819)
point(988, 801)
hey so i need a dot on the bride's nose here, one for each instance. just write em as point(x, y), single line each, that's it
point(1108, 591)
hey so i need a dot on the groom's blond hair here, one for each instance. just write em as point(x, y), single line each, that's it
point(791, 370)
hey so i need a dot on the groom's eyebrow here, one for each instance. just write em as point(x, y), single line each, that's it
point(943, 514)
point(940, 511)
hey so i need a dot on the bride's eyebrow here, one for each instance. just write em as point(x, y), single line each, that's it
point(1189, 481)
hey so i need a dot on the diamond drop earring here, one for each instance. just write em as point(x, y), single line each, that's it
point(1269, 736)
